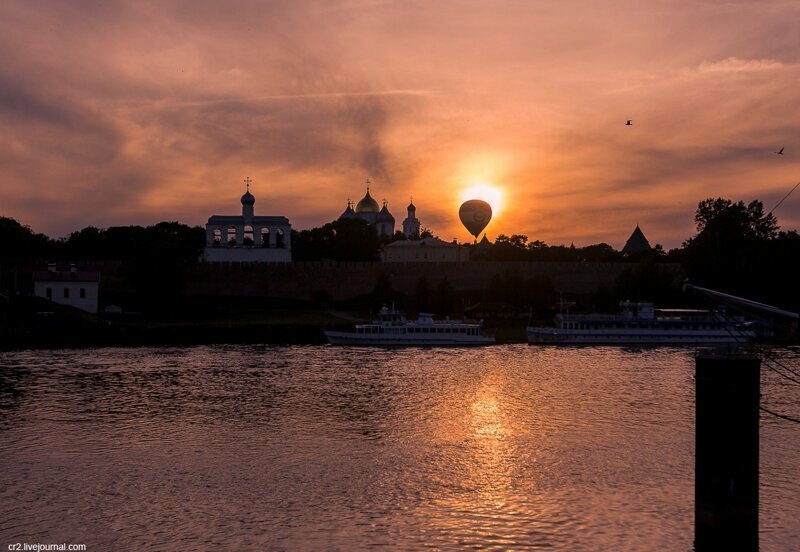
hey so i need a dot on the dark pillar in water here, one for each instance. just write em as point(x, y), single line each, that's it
point(726, 453)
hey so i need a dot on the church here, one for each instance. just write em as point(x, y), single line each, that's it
point(248, 238)
point(367, 209)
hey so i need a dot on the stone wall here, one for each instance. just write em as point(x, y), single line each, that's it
point(341, 281)
point(301, 280)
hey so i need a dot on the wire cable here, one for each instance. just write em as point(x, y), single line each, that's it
point(782, 416)
point(764, 354)
point(776, 361)
point(784, 197)
point(790, 378)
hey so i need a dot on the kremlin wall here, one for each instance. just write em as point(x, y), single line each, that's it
point(342, 281)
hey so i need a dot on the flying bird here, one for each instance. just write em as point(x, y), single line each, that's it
point(779, 152)
point(629, 123)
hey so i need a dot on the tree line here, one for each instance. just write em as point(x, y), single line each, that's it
point(737, 247)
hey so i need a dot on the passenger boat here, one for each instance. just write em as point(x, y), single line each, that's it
point(642, 324)
point(392, 328)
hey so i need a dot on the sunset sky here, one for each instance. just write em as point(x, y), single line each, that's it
point(135, 112)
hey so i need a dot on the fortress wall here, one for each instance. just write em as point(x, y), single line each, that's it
point(300, 280)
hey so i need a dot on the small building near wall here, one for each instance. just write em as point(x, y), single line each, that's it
point(248, 238)
point(427, 250)
point(75, 288)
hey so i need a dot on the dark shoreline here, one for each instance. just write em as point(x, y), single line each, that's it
point(145, 335)
point(160, 334)
point(149, 335)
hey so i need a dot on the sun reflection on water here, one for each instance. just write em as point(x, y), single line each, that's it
point(485, 493)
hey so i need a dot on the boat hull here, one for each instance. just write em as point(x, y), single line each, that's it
point(553, 336)
point(401, 340)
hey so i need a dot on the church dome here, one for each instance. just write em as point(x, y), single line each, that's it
point(248, 199)
point(411, 207)
point(367, 205)
point(348, 213)
point(385, 215)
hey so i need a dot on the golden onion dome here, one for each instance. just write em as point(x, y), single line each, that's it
point(367, 204)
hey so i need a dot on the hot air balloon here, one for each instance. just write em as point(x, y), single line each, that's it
point(475, 214)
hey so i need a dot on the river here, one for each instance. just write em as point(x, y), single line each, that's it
point(317, 447)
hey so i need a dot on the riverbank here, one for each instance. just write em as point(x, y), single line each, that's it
point(44, 325)
point(38, 324)
point(136, 334)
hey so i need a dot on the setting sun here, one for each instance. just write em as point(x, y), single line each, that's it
point(486, 192)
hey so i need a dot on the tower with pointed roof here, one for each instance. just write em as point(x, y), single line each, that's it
point(411, 224)
point(637, 243)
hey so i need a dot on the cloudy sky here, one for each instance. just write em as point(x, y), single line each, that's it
point(135, 112)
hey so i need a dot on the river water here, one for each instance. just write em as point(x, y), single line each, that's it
point(298, 448)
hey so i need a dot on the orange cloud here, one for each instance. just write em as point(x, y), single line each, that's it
point(131, 113)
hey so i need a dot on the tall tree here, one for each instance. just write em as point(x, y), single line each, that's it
point(340, 240)
point(731, 246)
point(749, 221)
point(20, 242)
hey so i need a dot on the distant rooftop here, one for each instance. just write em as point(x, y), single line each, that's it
point(637, 243)
point(425, 242)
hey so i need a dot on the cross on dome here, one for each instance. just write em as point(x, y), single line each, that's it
point(248, 199)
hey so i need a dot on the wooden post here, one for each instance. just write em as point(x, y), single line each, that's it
point(726, 452)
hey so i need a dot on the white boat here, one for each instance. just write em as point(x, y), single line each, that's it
point(642, 324)
point(392, 328)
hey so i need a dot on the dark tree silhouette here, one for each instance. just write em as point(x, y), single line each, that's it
point(340, 240)
point(444, 300)
point(18, 242)
point(384, 293)
point(740, 249)
point(749, 221)
point(421, 296)
point(646, 282)
point(730, 248)
point(425, 233)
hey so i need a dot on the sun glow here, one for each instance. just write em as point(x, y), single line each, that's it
point(488, 193)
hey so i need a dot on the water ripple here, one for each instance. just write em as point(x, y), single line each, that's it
point(262, 447)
